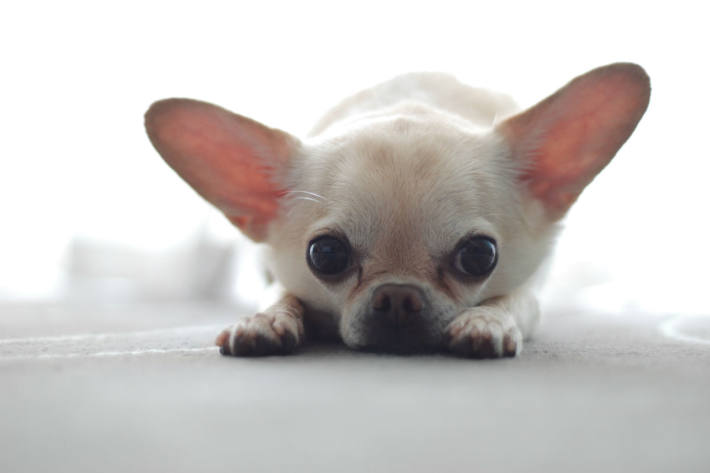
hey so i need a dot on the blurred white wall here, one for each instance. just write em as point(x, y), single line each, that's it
point(75, 165)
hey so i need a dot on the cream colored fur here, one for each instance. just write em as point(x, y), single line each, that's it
point(405, 170)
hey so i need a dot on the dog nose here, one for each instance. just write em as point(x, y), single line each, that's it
point(397, 303)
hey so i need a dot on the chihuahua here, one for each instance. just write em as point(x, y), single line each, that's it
point(415, 215)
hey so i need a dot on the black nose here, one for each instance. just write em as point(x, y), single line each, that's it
point(397, 304)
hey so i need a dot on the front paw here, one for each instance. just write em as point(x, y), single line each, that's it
point(263, 334)
point(484, 332)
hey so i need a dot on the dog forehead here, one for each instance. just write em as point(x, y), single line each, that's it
point(407, 179)
point(401, 154)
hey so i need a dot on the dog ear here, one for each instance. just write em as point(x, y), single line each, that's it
point(233, 162)
point(564, 141)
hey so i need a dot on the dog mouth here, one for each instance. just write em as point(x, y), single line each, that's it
point(380, 336)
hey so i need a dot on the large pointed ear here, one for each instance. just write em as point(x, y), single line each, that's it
point(564, 141)
point(233, 162)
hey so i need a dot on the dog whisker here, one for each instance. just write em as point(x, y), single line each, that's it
point(308, 198)
point(311, 194)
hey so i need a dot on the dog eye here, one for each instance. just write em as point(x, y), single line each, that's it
point(476, 256)
point(328, 255)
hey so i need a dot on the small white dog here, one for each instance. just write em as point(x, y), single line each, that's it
point(414, 216)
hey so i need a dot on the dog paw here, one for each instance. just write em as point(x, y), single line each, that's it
point(484, 332)
point(263, 334)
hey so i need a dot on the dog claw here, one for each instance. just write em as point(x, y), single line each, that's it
point(263, 334)
point(484, 333)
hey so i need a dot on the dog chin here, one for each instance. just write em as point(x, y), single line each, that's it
point(366, 332)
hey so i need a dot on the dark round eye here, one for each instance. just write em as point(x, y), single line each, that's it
point(476, 256)
point(328, 255)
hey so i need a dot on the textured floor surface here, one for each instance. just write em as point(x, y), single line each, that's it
point(140, 388)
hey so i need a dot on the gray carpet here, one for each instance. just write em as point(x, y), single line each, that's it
point(89, 388)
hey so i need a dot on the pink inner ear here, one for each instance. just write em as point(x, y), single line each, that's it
point(565, 140)
point(230, 160)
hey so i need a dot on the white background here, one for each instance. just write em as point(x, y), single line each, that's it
point(76, 77)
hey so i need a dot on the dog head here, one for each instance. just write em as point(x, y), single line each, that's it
point(395, 224)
